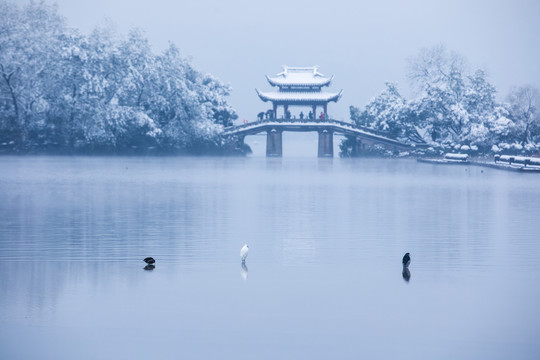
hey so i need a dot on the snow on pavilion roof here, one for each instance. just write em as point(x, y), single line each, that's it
point(299, 76)
point(299, 96)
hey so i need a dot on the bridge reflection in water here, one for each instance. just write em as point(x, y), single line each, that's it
point(274, 129)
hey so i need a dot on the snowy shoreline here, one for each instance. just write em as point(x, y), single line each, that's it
point(483, 163)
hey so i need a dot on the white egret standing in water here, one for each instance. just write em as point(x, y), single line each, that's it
point(244, 253)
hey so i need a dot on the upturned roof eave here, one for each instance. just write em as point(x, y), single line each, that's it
point(300, 99)
point(275, 81)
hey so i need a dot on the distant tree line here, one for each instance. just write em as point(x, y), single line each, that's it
point(453, 110)
point(64, 91)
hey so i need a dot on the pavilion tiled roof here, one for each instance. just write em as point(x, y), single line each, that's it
point(299, 96)
point(299, 77)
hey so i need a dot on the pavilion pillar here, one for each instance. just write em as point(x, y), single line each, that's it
point(326, 144)
point(274, 115)
point(285, 110)
point(314, 112)
point(274, 143)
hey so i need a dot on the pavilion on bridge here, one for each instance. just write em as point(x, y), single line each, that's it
point(299, 86)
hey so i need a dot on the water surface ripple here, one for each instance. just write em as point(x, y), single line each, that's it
point(323, 277)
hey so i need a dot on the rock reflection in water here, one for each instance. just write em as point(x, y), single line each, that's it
point(149, 267)
point(406, 274)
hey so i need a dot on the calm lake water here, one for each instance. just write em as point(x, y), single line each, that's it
point(323, 278)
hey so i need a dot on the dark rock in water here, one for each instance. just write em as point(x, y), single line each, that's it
point(149, 267)
point(406, 260)
point(149, 260)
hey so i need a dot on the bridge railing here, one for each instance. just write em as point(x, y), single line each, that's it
point(351, 125)
point(305, 121)
point(344, 127)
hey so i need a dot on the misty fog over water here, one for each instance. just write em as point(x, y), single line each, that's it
point(323, 278)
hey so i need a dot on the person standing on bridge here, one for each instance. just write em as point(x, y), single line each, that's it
point(301, 115)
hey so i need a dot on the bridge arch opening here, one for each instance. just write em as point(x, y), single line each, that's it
point(294, 144)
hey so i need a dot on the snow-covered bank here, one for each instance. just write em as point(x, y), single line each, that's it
point(526, 164)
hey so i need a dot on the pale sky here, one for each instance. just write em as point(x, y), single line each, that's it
point(364, 44)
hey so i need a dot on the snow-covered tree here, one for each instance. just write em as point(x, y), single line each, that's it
point(389, 114)
point(139, 70)
point(524, 107)
point(439, 79)
point(65, 90)
point(453, 109)
point(28, 51)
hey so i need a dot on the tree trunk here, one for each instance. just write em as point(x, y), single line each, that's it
point(15, 124)
point(7, 78)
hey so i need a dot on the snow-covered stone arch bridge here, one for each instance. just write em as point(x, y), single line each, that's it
point(274, 129)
